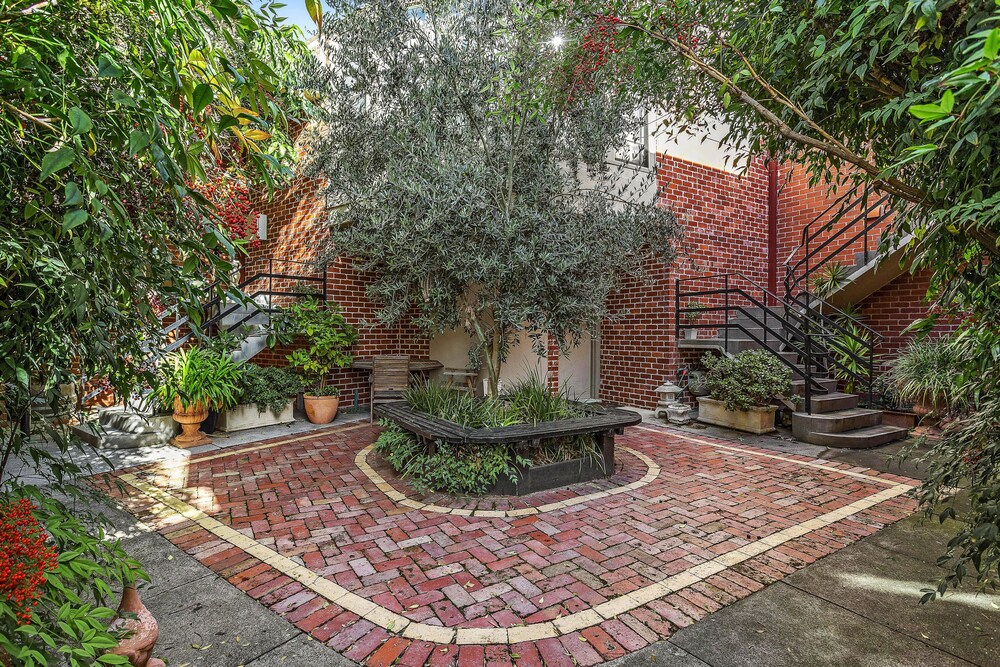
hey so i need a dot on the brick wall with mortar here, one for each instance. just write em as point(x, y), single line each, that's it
point(894, 307)
point(725, 220)
point(295, 236)
point(725, 229)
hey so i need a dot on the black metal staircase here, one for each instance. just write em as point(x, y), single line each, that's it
point(821, 344)
point(245, 308)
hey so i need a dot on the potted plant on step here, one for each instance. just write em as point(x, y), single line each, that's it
point(328, 336)
point(741, 390)
point(265, 397)
point(194, 381)
point(691, 318)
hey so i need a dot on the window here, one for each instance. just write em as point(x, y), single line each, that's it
point(636, 150)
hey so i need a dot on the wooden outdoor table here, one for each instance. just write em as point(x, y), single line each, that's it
point(419, 367)
point(466, 376)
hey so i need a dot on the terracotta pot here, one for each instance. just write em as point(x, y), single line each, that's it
point(930, 411)
point(106, 399)
point(142, 630)
point(190, 420)
point(321, 409)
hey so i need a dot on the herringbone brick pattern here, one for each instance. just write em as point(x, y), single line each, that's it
point(308, 501)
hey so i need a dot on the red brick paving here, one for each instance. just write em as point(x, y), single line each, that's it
point(308, 500)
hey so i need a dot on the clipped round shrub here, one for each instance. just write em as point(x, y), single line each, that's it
point(751, 379)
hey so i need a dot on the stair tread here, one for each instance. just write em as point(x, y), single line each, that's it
point(833, 395)
point(859, 438)
point(838, 414)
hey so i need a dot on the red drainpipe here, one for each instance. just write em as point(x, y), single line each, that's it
point(772, 227)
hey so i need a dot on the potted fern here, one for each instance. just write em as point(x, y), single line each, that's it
point(928, 373)
point(328, 336)
point(194, 381)
point(741, 390)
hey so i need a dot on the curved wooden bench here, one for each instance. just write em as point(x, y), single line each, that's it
point(604, 424)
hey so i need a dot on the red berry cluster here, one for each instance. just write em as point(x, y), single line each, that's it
point(685, 32)
point(596, 49)
point(231, 197)
point(24, 558)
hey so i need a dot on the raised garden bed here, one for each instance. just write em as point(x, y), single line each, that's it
point(244, 417)
point(603, 424)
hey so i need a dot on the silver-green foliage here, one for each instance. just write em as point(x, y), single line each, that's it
point(751, 379)
point(475, 196)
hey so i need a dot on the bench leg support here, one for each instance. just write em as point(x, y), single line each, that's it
point(606, 441)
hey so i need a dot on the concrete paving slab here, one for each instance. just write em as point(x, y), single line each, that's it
point(916, 537)
point(210, 622)
point(167, 566)
point(783, 626)
point(302, 651)
point(885, 587)
point(660, 654)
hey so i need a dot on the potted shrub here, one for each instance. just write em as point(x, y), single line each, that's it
point(266, 396)
point(927, 372)
point(193, 381)
point(741, 389)
point(697, 384)
point(692, 318)
point(328, 335)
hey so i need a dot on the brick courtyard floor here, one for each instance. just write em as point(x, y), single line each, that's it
point(319, 530)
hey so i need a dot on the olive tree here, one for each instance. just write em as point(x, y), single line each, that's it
point(475, 195)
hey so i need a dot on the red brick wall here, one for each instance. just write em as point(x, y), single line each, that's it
point(295, 236)
point(725, 225)
point(894, 307)
point(725, 222)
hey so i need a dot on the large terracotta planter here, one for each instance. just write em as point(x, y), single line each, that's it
point(754, 420)
point(190, 421)
point(321, 409)
point(134, 618)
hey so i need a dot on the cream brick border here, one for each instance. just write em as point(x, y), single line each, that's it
point(580, 620)
point(361, 460)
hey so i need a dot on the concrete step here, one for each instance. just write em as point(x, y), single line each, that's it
point(253, 315)
point(839, 421)
point(117, 428)
point(250, 347)
point(862, 438)
point(798, 386)
point(833, 402)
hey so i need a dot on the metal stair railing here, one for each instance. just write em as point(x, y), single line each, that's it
point(731, 298)
point(240, 298)
point(815, 337)
point(818, 252)
point(855, 218)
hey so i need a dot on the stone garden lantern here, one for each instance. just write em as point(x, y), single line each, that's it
point(668, 406)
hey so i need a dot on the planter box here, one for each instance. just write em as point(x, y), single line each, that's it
point(549, 476)
point(754, 420)
point(907, 420)
point(243, 417)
